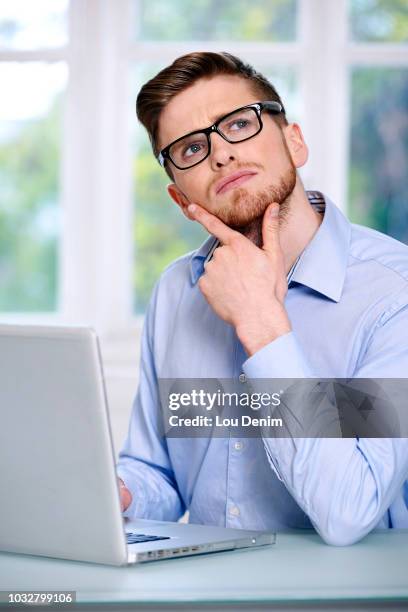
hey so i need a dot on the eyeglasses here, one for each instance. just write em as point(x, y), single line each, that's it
point(239, 125)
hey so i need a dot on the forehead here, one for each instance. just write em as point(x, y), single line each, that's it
point(202, 104)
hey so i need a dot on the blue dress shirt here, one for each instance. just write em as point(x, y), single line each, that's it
point(348, 305)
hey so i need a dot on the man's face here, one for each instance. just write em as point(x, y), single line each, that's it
point(270, 172)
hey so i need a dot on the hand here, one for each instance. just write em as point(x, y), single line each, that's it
point(125, 495)
point(245, 285)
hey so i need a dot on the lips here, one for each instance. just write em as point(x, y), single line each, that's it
point(233, 180)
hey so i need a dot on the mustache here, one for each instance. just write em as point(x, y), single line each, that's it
point(237, 166)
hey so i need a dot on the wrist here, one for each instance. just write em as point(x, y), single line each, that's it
point(256, 333)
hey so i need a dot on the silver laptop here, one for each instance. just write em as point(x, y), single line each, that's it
point(60, 495)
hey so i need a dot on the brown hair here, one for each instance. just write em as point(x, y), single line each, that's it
point(184, 72)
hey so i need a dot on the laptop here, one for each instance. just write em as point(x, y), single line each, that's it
point(60, 494)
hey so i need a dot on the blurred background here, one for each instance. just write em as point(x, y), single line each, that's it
point(86, 226)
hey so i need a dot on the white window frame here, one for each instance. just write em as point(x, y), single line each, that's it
point(96, 250)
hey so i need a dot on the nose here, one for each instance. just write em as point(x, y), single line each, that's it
point(221, 152)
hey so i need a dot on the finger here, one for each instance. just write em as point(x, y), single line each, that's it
point(212, 224)
point(270, 228)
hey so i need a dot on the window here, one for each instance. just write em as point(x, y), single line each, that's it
point(378, 21)
point(31, 111)
point(210, 20)
point(33, 25)
point(30, 135)
point(85, 223)
point(378, 156)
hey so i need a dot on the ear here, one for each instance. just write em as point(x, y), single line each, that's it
point(296, 144)
point(179, 198)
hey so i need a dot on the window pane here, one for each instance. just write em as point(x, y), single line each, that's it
point(27, 25)
point(378, 188)
point(379, 20)
point(30, 118)
point(161, 231)
point(272, 20)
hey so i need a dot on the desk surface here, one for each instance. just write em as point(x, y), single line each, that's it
point(298, 568)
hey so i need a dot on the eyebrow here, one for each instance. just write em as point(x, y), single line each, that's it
point(199, 129)
point(215, 118)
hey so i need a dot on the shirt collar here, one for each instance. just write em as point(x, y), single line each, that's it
point(199, 257)
point(323, 263)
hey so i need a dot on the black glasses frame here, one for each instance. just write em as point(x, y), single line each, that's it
point(271, 106)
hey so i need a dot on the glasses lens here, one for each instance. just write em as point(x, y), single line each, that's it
point(240, 125)
point(189, 150)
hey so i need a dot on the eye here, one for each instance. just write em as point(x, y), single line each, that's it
point(238, 124)
point(192, 149)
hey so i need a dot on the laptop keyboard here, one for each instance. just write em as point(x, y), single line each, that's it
point(138, 538)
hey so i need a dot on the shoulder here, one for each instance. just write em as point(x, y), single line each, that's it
point(178, 269)
point(171, 299)
point(188, 267)
point(389, 257)
point(178, 279)
point(381, 269)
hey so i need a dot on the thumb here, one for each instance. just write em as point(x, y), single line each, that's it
point(270, 227)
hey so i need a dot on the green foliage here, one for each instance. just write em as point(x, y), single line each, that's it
point(161, 232)
point(225, 20)
point(29, 167)
point(379, 20)
point(378, 191)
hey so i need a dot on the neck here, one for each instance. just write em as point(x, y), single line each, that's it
point(298, 223)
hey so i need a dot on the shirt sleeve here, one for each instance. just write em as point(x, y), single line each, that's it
point(345, 485)
point(144, 463)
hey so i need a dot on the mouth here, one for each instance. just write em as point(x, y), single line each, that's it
point(233, 180)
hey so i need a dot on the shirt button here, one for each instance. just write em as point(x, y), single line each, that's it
point(238, 446)
point(234, 511)
point(242, 378)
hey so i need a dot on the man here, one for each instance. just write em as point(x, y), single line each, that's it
point(292, 290)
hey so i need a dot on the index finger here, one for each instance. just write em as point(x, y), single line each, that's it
point(212, 224)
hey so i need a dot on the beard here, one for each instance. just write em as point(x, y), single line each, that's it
point(245, 212)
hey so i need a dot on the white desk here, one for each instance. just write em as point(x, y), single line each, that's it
point(298, 572)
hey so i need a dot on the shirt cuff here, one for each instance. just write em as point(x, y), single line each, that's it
point(282, 358)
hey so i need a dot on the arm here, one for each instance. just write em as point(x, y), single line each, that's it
point(144, 464)
point(344, 485)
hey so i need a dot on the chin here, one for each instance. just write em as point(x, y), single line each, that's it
point(244, 208)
